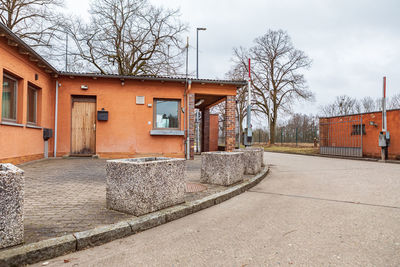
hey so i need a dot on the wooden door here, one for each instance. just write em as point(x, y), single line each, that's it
point(83, 126)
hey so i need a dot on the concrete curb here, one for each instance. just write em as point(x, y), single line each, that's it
point(51, 248)
point(337, 157)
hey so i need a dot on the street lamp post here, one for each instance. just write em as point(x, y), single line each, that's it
point(197, 50)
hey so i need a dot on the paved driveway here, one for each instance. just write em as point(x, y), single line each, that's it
point(310, 211)
point(64, 196)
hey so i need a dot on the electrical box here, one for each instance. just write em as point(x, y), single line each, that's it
point(247, 139)
point(102, 115)
point(384, 139)
point(47, 134)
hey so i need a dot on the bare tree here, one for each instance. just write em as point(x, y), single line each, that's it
point(31, 20)
point(394, 102)
point(276, 74)
point(343, 105)
point(130, 37)
point(368, 104)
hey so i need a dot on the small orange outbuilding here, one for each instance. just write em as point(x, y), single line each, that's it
point(357, 135)
point(106, 115)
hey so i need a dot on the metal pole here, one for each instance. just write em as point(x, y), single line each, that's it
point(296, 136)
point(66, 52)
point(56, 121)
point(249, 131)
point(197, 50)
point(384, 106)
point(187, 102)
point(197, 53)
point(361, 119)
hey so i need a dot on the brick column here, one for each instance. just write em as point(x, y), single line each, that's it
point(191, 124)
point(205, 144)
point(230, 119)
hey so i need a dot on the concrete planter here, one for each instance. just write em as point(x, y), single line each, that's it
point(12, 184)
point(253, 158)
point(221, 168)
point(142, 185)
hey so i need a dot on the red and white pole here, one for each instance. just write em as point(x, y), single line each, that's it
point(248, 140)
point(384, 120)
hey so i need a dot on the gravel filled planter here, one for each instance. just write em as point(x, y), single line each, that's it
point(222, 168)
point(11, 205)
point(142, 185)
point(253, 159)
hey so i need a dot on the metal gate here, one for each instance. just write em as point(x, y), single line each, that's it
point(342, 136)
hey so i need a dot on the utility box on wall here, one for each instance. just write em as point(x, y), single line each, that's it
point(102, 115)
point(47, 134)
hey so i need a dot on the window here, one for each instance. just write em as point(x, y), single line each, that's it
point(166, 114)
point(357, 129)
point(9, 99)
point(32, 105)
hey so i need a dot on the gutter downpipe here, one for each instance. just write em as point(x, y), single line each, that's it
point(186, 106)
point(56, 121)
point(189, 86)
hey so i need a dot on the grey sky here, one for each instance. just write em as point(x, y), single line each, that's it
point(352, 43)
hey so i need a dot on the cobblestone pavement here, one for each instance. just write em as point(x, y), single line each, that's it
point(68, 195)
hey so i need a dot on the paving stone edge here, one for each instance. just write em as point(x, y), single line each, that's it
point(54, 247)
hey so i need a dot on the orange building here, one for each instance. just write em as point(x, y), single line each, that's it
point(106, 115)
point(357, 135)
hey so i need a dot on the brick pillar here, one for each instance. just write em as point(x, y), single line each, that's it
point(191, 124)
point(230, 119)
point(205, 145)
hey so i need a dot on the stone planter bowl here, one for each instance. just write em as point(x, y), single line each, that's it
point(221, 168)
point(253, 159)
point(141, 185)
point(12, 183)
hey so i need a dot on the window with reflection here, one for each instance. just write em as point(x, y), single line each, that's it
point(9, 98)
point(32, 105)
point(166, 114)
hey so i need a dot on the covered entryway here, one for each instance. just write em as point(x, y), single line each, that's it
point(83, 125)
point(206, 130)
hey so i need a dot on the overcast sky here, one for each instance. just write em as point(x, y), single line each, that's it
point(353, 43)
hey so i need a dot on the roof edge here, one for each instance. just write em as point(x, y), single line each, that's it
point(358, 114)
point(25, 46)
point(154, 78)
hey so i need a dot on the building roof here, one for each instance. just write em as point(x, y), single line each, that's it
point(154, 78)
point(358, 114)
point(24, 48)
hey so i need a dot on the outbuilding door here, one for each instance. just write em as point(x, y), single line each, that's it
point(83, 126)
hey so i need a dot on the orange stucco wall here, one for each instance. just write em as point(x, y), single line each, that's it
point(127, 131)
point(370, 141)
point(125, 134)
point(20, 143)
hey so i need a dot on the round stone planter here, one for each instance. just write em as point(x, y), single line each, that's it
point(221, 168)
point(253, 158)
point(141, 185)
point(12, 184)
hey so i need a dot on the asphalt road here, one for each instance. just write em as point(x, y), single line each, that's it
point(310, 211)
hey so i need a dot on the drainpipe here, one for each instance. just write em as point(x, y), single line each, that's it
point(188, 121)
point(55, 121)
point(186, 98)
